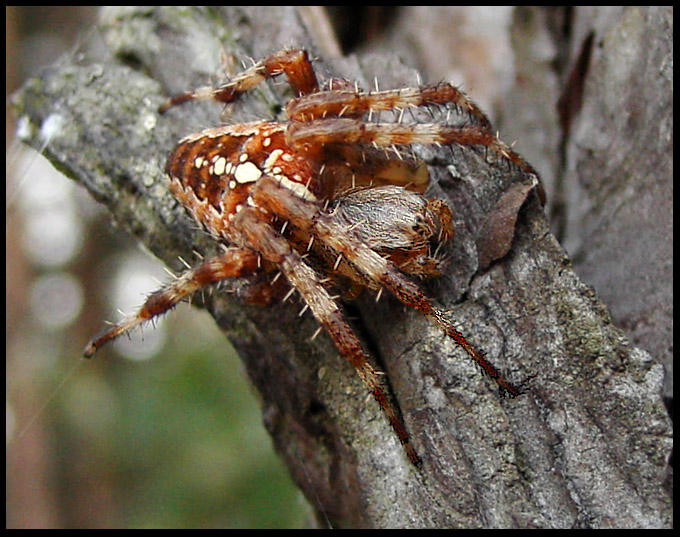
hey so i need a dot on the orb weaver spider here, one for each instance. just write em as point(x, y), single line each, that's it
point(325, 199)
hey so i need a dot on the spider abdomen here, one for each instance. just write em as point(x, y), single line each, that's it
point(214, 171)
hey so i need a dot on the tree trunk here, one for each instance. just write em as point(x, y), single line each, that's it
point(586, 446)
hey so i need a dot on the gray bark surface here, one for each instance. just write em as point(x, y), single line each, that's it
point(586, 446)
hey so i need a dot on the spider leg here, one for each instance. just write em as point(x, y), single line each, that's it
point(306, 215)
point(333, 130)
point(354, 105)
point(277, 249)
point(294, 63)
point(233, 263)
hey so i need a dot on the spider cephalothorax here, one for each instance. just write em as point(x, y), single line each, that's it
point(318, 199)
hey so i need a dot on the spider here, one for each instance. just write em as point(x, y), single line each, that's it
point(325, 199)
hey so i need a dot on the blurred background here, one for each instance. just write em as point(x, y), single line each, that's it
point(163, 431)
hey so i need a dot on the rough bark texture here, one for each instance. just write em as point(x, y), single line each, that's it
point(587, 446)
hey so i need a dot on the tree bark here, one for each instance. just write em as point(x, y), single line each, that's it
point(586, 446)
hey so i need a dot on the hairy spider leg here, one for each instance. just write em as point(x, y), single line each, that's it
point(234, 262)
point(294, 63)
point(353, 104)
point(268, 193)
point(345, 130)
point(275, 248)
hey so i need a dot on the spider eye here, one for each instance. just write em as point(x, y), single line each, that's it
point(420, 224)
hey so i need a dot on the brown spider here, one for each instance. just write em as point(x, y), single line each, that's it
point(318, 199)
